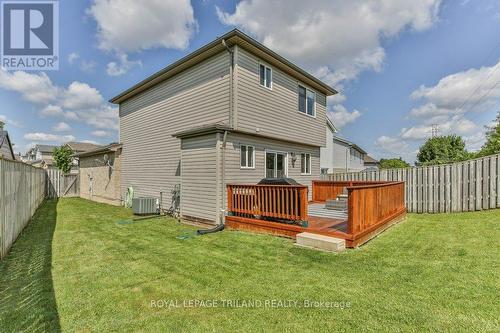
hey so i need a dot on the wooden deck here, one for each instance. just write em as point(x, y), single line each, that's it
point(276, 210)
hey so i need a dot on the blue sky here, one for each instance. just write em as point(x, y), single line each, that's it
point(400, 66)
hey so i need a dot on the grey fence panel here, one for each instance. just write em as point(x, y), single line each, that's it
point(61, 185)
point(458, 187)
point(22, 190)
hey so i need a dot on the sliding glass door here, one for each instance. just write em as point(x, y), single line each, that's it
point(276, 164)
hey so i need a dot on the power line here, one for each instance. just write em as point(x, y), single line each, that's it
point(493, 70)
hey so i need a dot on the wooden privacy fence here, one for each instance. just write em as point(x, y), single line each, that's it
point(60, 184)
point(273, 201)
point(22, 190)
point(458, 187)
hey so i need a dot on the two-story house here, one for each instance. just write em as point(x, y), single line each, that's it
point(339, 154)
point(232, 111)
point(40, 155)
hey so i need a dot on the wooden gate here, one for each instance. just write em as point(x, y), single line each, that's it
point(61, 185)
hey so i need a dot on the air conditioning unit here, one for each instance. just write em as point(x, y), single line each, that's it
point(145, 206)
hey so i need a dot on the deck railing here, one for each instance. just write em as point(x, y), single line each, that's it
point(288, 202)
point(373, 205)
point(323, 190)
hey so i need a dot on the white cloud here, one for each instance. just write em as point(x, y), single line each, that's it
point(77, 102)
point(130, 25)
point(470, 90)
point(100, 133)
point(122, 66)
point(392, 145)
point(51, 111)
point(61, 127)
point(81, 96)
point(335, 37)
point(9, 121)
point(341, 116)
point(36, 88)
point(448, 106)
point(454, 125)
point(73, 57)
point(48, 137)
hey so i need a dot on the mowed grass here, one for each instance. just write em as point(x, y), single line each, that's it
point(75, 268)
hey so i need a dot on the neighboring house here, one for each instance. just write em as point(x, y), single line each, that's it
point(6, 151)
point(100, 174)
point(40, 155)
point(231, 112)
point(339, 154)
point(80, 147)
point(371, 163)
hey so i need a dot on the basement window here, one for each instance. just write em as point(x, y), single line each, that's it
point(266, 76)
point(247, 157)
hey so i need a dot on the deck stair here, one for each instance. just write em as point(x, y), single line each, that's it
point(320, 242)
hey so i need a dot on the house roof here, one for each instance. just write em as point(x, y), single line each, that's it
point(5, 140)
point(233, 37)
point(82, 146)
point(112, 147)
point(369, 160)
point(351, 144)
point(45, 148)
point(330, 124)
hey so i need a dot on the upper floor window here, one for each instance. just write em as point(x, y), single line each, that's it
point(307, 99)
point(266, 77)
point(247, 157)
point(305, 164)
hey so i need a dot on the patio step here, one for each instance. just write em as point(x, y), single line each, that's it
point(336, 204)
point(320, 242)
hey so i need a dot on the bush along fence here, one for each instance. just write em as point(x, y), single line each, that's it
point(22, 190)
point(458, 187)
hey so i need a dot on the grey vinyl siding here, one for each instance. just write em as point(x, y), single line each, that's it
point(199, 177)
point(236, 175)
point(275, 112)
point(5, 152)
point(151, 156)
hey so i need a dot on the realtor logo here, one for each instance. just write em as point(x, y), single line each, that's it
point(30, 35)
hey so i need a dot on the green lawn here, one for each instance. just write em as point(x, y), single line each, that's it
point(75, 268)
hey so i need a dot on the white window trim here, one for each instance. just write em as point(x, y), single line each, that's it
point(314, 104)
point(276, 161)
point(253, 158)
point(307, 167)
point(272, 75)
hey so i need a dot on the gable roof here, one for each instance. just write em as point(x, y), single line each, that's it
point(233, 37)
point(5, 140)
point(370, 160)
point(78, 147)
point(45, 148)
point(112, 147)
point(347, 142)
point(330, 124)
